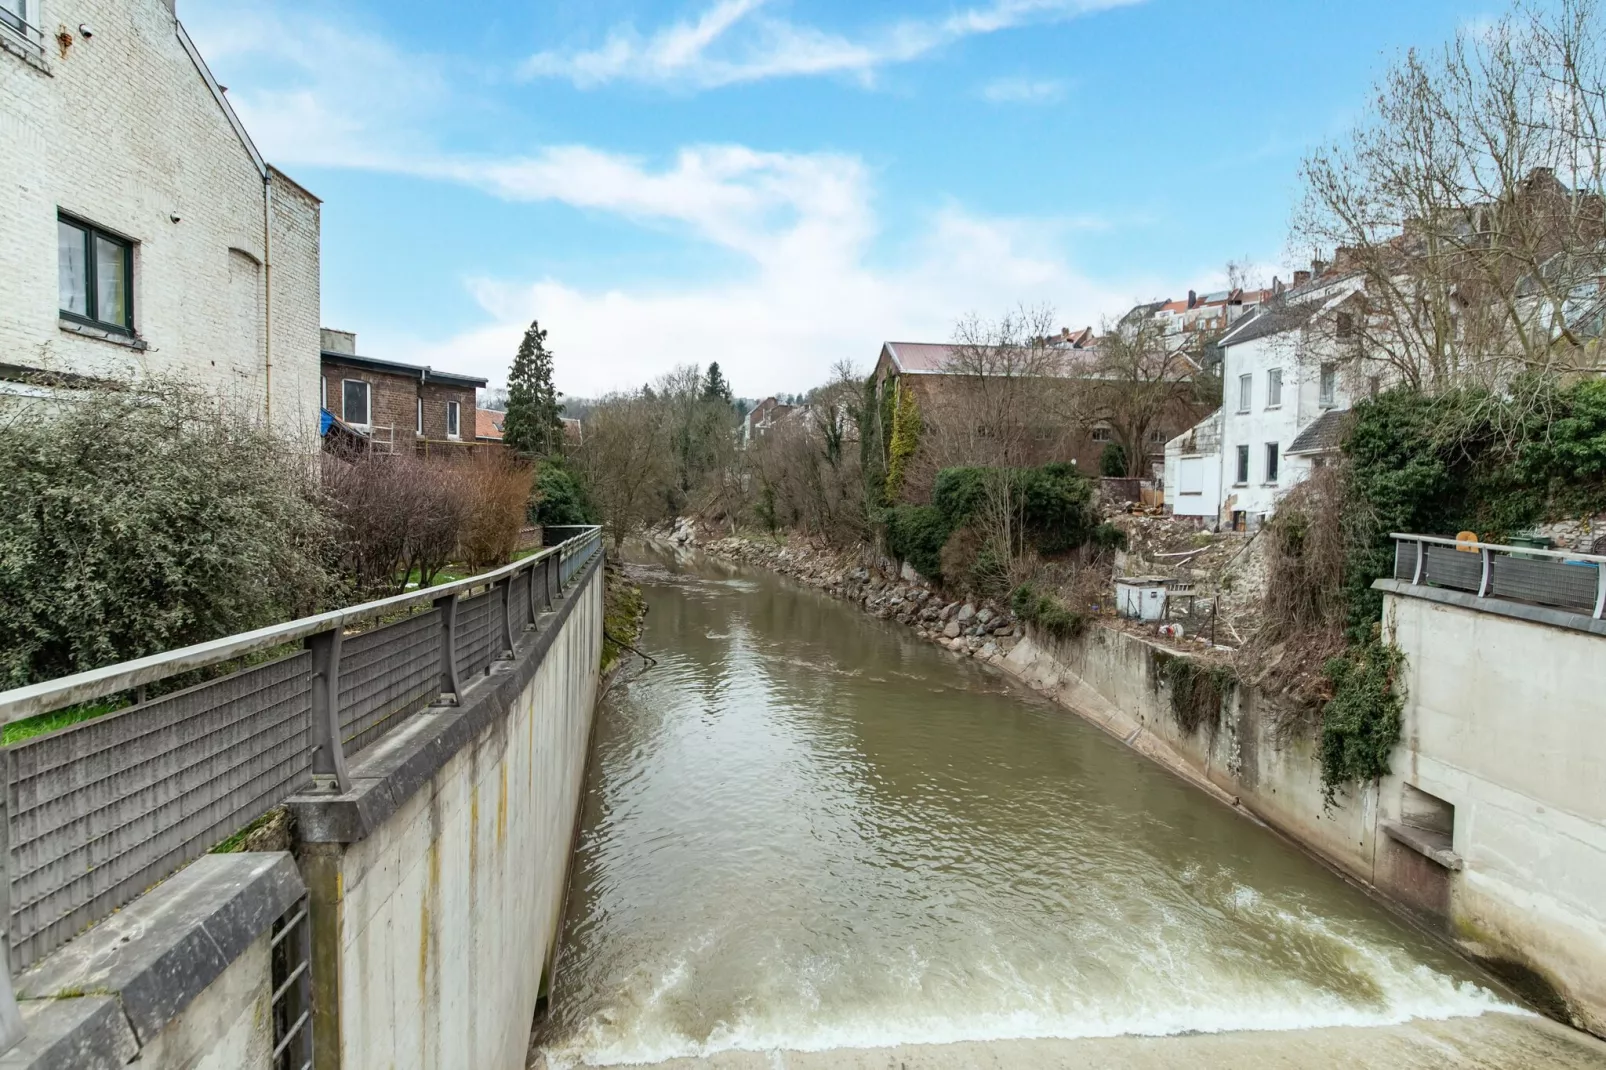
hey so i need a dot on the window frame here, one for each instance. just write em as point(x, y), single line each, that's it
point(368, 402)
point(1274, 388)
point(1103, 434)
point(1246, 391)
point(92, 234)
point(1243, 467)
point(454, 418)
point(1327, 386)
point(1273, 461)
point(418, 426)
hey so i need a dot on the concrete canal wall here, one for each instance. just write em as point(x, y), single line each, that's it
point(438, 883)
point(1492, 826)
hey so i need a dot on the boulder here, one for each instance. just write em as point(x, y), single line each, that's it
point(966, 613)
point(989, 650)
point(984, 616)
point(951, 631)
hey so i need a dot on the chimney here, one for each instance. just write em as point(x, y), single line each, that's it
point(1193, 299)
point(1065, 334)
point(1301, 278)
point(331, 341)
point(1318, 268)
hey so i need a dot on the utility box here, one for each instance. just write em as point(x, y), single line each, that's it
point(1140, 597)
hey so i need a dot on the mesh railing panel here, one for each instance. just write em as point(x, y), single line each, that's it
point(387, 675)
point(1404, 560)
point(479, 622)
point(1445, 566)
point(104, 809)
point(519, 604)
point(1546, 581)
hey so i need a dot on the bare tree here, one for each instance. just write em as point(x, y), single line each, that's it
point(1143, 380)
point(627, 461)
point(807, 466)
point(1470, 204)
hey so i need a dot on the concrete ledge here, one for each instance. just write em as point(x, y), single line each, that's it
point(1424, 843)
point(161, 951)
point(387, 774)
point(1500, 607)
point(86, 1033)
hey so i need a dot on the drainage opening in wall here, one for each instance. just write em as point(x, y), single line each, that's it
point(1426, 825)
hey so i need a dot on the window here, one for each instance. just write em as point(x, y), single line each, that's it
point(1243, 465)
point(1245, 391)
point(419, 428)
point(1101, 434)
point(323, 392)
point(1329, 385)
point(1190, 475)
point(95, 275)
point(1157, 438)
point(451, 419)
point(1274, 388)
point(354, 402)
point(1271, 461)
point(14, 13)
point(1344, 326)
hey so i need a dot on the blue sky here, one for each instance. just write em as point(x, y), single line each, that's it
point(779, 185)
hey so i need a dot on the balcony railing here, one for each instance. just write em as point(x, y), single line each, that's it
point(1558, 578)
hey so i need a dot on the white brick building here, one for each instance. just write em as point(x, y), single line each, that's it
point(141, 233)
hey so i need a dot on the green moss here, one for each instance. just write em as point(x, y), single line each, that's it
point(1198, 690)
point(622, 611)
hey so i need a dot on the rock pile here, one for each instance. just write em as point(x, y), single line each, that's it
point(968, 627)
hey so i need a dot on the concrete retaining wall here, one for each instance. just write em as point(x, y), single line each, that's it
point(1504, 720)
point(438, 882)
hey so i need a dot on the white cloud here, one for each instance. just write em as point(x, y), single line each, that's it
point(736, 41)
point(815, 280)
point(1023, 91)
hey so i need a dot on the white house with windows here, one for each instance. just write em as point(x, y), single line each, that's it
point(141, 232)
point(1286, 370)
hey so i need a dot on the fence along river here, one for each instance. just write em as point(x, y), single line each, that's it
point(806, 830)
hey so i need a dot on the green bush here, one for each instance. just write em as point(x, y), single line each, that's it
point(1361, 722)
point(1112, 462)
point(959, 492)
point(137, 522)
point(1108, 537)
point(915, 533)
point(560, 498)
point(1046, 613)
point(1058, 513)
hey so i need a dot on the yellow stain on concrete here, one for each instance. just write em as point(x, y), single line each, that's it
point(501, 808)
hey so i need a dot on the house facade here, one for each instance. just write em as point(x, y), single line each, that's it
point(761, 418)
point(395, 406)
point(142, 234)
point(1288, 375)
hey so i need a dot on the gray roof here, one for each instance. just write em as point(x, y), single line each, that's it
point(1325, 435)
point(1268, 320)
point(422, 372)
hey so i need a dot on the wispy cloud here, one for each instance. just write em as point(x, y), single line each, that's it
point(737, 41)
point(1023, 91)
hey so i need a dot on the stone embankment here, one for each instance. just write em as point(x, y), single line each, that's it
point(971, 627)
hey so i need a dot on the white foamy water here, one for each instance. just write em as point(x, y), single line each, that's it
point(807, 832)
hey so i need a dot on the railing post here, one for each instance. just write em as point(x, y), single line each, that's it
point(1421, 555)
point(1600, 590)
point(450, 685)
point(546, 577)
point(11, 1027)
point(529, 597)
point(329, 754)
point(507, 616)
point(1486, 580)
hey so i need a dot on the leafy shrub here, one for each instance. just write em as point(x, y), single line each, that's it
point(959, 492)
point(560, 498)
point(1361, 723)
point(1046, 613)
point(1108, 537)
point(133, 522)
point(958, 556)
point(916, 533)
point(1112, 462)
point(1058, 513)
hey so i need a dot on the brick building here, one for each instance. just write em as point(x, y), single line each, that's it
point(141, 232)
point(397, 406)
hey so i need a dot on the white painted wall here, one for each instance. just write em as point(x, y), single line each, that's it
point(123, 131)
point(449, 909)
point(1506, 720)
point(1193, 469)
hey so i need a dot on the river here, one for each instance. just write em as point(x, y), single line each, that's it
point(806, 830)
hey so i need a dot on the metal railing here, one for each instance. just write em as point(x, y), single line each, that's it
point(96, 812)
point(1558, 578)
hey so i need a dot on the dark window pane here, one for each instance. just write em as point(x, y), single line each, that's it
point(72, 269)
point(356, 403)
point(111, 282)
point(451, 417)
point(1243, 464)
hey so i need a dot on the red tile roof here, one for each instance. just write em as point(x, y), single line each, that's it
point(488, 423)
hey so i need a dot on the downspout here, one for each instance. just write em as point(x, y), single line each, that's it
point(267, 295)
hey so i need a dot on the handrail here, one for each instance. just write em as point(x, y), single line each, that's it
point(1439, 540)
point(48, 695)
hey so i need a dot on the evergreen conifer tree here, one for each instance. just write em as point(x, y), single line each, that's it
point(534, 423)
point(716, 388)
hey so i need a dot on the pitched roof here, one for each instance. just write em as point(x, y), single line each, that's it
point(488, 423)
point(1324, 435)
point(929, 358)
